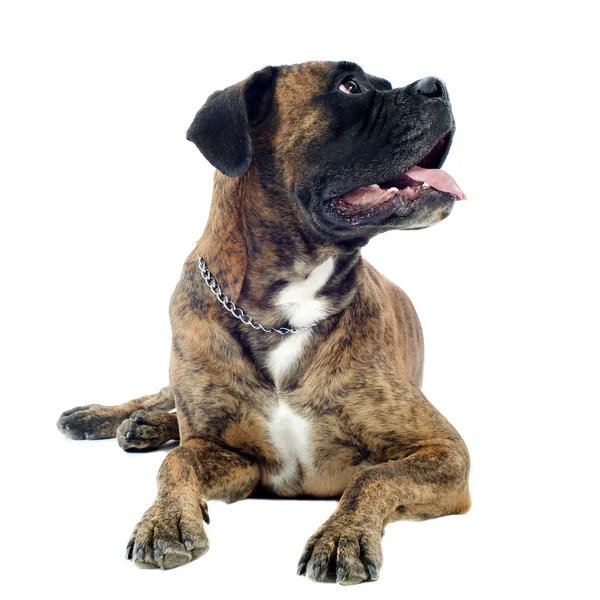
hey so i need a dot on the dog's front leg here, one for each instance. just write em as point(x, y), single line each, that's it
point(431, 482)
point(171, 533)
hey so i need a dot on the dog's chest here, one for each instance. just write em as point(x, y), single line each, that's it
point(289, 431)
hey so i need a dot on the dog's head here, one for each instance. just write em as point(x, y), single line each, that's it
point(343, 149)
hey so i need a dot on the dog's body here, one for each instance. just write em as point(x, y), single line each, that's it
point(334, 409)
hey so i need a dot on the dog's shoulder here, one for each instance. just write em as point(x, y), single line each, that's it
point(403, 320)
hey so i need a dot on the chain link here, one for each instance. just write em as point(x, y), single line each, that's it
point(237, 312)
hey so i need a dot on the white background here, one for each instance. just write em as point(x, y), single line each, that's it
point(103, 198)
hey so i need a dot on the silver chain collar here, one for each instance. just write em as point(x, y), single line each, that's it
point(237, 312)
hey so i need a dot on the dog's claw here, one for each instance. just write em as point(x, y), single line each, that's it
point(304, 560)
point(341, 573)
point(301, 568)
point(372, 569)
point(204, 508)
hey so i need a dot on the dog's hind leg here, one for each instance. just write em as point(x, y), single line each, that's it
point(171, 532)
point(95, 421)
point(147, 430)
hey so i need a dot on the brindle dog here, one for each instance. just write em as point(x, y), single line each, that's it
point(312, 162)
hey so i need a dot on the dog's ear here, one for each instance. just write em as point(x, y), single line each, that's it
point(222, 127)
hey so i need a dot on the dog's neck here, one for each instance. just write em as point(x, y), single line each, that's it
point(255, 244)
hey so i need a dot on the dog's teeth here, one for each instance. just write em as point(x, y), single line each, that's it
point(425, 186)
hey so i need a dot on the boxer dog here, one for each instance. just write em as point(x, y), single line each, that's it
point(295, 366)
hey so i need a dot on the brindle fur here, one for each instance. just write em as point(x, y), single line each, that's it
point(376, 440)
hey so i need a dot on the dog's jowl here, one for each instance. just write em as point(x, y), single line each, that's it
point(296, 367)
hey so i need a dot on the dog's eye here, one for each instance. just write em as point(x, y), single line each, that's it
point(349, 87)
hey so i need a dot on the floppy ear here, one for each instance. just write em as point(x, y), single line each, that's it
point(221, 128)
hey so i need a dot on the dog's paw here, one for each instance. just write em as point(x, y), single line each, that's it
point(343, 550)
point(92, 422)
point(147, 430)
point(168, 536)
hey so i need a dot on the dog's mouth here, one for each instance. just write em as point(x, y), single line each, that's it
point(400, 194)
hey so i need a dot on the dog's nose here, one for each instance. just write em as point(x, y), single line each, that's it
point(432, 87)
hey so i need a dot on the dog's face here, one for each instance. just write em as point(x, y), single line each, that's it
point(353, 156)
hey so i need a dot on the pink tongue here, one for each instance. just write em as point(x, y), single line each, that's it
point(438, 179)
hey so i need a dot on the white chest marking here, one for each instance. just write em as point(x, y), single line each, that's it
point(299, 304)
point(290, 434)
point(298, 299)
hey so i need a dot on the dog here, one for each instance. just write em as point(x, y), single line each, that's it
point(296, 367)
